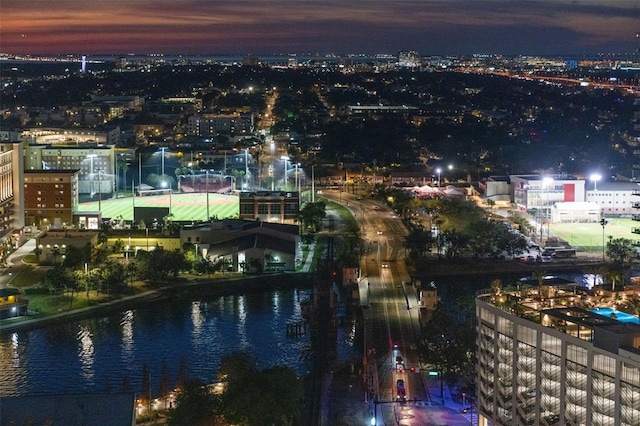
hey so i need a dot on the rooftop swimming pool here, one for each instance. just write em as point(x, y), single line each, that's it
point(620, 316)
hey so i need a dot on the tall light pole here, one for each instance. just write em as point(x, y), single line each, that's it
point(595, 178)
point(246, 167)
point(206, 186)
point(438, 171)
point(603, 223)
point(285, 159)
point(547, 182)
point(91, 157)
point(99, 191)
point(162, 149)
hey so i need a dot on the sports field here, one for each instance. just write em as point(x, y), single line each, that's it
point(588, 236)
point(184, 207)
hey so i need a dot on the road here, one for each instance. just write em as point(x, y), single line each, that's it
point(392, 323)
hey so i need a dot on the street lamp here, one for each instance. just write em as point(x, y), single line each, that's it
point(595, 178)
point(438, 171)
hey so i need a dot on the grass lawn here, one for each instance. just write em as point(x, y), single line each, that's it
point(45, 304)
point(192, 206)
point(29, 276)
point(588, 236)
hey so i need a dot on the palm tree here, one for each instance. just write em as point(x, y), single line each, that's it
point(632, 304)
point(496, 286)
point(614, 275)
point(539, 275)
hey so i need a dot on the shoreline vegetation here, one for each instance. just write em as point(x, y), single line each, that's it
point(185, 287)
point(195, 287)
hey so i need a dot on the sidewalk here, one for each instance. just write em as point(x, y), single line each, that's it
point(440, 395)
point(14, 263)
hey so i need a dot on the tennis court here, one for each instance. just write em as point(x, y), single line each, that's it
point(184, 207)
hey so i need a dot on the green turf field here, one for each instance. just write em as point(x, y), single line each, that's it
point(588, 236)
point(184, 207)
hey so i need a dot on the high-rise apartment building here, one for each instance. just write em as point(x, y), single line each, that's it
point(554, 354)
point(11, 190)
point(212, 124)
point(96, 164)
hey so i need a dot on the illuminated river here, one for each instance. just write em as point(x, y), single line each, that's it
point(108, 354)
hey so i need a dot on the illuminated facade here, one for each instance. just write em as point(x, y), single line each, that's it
point(542, 192)
point(11, 195)
point(270, 206)
point(51, 197)
point(96, 164)
point(545, 358)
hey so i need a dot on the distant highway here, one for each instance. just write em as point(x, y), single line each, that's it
point(572, 82)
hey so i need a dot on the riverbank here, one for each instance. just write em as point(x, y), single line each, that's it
point(438, 268)
point(184, 288)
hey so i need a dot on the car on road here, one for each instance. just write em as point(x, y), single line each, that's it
point(399, 364)
point(385, 265)
point(401, 392)
point(379, 232)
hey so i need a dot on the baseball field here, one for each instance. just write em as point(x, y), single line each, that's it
point(590, 236)
point(184, 207)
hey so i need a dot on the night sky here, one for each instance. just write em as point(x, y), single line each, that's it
point(432, 27)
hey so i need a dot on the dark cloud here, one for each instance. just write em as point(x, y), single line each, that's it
point(368, 26)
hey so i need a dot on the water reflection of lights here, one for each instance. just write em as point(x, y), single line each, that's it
point(197, 319)
point(297, 308)
point(86, 352)
point(126, 323)
point(276, 305)
point(242, 321)
point(15, 351)
point(352, 334)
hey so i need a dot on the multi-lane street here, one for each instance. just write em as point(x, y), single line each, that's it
point(392, 328)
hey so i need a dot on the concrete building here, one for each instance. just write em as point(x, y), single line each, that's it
point(541, 192)
point(95, 163)
point(270, 206)
point(50, 197)
point(11, 189)
point(614, 198)
point(544, 356)
point(212, 124)
point(259, 246)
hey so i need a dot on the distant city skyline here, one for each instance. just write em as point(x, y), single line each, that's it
point(431, 27)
